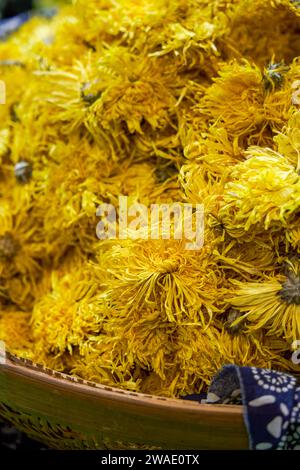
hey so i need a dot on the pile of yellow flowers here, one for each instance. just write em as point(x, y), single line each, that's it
point(161, 101)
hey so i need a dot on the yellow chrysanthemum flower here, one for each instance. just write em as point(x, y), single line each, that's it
point(15, 332)
point(263, 193)
point(272, 305)
point(189, 101)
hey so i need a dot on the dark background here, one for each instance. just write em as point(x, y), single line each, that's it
point(10, 8)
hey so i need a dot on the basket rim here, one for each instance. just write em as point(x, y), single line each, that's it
point(15, 366)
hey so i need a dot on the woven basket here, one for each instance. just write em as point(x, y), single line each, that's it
point(67, 413)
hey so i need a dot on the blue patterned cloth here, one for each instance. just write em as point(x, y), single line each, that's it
point(271, 403)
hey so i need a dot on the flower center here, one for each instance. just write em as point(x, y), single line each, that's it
point(8, 246)
point(290, 291)
point(23, 172)
point(168, 266)
point(232, 316)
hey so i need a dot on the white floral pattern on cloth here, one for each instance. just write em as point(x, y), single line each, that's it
point(278, 416)
point(271, 404)
point(273, 381)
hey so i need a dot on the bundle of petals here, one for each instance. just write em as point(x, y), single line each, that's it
point(191, 101)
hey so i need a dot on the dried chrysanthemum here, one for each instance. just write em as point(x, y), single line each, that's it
point(164, 275)
point(271, 305)
point(202, 353)
point(156, 101)
point(263, 193)
point(288, 141)
point(23, 172)
point(261, 28)
point(4, 142)
point(292, 236)
point(15, 332)
point(22, 254)
point(200, 187)
point(231, 328)
point(127, 348)
point(237, 102)
point(274, 76)
point(20, 239)
point(9, 246)
point(63, 318)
